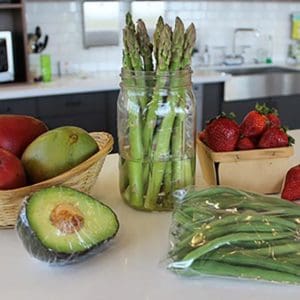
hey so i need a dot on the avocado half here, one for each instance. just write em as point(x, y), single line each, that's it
point(60, 225)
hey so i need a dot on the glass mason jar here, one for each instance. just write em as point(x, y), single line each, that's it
point(156, 135)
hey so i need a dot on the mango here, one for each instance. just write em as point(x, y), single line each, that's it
point(18, 131)
point(12, 174)
point(56, 152)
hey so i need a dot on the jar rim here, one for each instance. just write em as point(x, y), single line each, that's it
point(182, 72)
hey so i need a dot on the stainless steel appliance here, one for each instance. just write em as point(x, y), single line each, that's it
point(6, 57)
point(261, 82)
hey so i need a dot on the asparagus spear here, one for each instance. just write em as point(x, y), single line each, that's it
point(189, 44)
point(146, 49)
point(162, 65)
point(164, 57)
point(177, 135)
point(177, 45)
point(145, 45)
point(132, 60)
point(183, 171)
point(129, 23)
point(133, 49)
point(156, 37)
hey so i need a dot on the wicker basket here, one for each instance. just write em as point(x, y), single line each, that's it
point(82, 177)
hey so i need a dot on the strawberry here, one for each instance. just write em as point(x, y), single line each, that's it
point(202, 136)
point(273, 118)
point(245, 143)
point(222, 133)
point(255, 122)
point(274, 137)
point(291, 189)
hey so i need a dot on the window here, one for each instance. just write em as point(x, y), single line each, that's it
point(101, 23)
point(102, 19)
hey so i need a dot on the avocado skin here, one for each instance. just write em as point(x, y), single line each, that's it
point(37, 250)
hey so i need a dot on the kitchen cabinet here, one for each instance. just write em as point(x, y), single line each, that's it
point(92, 111)
point(288, 108)
point(12, 18)
point(22, 106)
point(209, 101)
point(210, 97)
point(95, 111)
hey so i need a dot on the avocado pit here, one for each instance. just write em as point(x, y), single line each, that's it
point(67, 218)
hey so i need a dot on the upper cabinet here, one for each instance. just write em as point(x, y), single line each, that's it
point(12, 19)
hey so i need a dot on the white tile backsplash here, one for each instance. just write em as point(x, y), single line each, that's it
point(214, 20)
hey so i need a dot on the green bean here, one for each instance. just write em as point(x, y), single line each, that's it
point(194, 221)
point(249, 218)
point(183, 245)
point(275, 250)
point(210, 192)
point(261, 244)
point(293, 259)
point(257, 227)
point(235, 258)
point(224, 197)
point(224, 269)
point(228, 239)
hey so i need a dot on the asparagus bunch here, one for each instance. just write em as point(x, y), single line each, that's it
point(155, 138)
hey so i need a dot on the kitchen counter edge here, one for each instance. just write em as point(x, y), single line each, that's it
point(106, 81)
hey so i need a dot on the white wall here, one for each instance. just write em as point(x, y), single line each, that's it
point(215, 22)
point(62, 22)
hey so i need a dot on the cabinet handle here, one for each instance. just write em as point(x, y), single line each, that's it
point(73, 103)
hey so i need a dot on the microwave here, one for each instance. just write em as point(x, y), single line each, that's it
point(6, 57)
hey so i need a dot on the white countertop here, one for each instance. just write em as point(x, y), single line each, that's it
point(109, 80)
point(98, 82)
point(132, 268)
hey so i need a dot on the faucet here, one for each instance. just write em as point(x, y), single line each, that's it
point(236, 31)
point(235, 59)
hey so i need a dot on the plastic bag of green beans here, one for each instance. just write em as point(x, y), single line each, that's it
point(221, 231)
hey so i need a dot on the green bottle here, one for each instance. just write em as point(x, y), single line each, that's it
point(45, 61)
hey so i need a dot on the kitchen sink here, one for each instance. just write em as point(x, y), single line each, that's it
point(257, 70)
point(260, 82)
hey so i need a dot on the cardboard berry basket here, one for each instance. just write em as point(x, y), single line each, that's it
point(82, 177)
point(259, 170)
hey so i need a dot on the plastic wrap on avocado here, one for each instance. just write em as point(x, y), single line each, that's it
point(224, 232)
point(60, 225)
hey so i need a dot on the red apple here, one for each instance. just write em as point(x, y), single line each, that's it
point(18, 131)
point(12, 174)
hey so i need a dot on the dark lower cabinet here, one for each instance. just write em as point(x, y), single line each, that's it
point(208, 100)
point(18, 107)
point(89, 122)
point(95, 111)
point(287, 106)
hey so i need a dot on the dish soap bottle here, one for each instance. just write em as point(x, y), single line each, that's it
point(206, 56)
